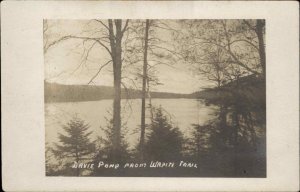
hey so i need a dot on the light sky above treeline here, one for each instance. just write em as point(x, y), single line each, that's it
point(64, 61)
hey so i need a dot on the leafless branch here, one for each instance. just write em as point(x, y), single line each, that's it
point(102, 23)
point(133, 82)
point(244, 40)
point(235, 59)
point(98, 40)
point(125, 27)
point(85, 56)
point(249, 25)
point(99, 71)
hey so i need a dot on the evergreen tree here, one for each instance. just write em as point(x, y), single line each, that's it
point(75, 146)
point(199, 142)
point(105, 145)
point(50, 167)
point(165, 142)
point(105, 150)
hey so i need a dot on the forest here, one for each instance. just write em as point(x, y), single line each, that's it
point(228, 55)
point(66, 93)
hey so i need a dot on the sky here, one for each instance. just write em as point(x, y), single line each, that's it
point(65, 62)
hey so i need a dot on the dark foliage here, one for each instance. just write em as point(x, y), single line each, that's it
point(164, 142)
point(233, 144)
point(105, 151)
point(74, 146)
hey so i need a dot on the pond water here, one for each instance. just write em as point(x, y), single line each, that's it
point(181, 112)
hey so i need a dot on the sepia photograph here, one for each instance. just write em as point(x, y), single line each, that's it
point(155, 97)
point(150, 96)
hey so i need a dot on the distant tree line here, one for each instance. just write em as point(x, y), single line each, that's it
point(73, 93)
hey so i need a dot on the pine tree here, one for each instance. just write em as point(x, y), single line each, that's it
point(105, 145)
point(75, 145)
point(50, 167)
point(165, 142)
point(105, 150)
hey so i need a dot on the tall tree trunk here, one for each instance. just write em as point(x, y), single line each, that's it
point(150, 101)
point(116, 53)
point(143, 114)
point(260, 26)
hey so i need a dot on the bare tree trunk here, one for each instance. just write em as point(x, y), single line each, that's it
point(150, 102)
point(260, 24)
point(143, 115)
point(116, 51)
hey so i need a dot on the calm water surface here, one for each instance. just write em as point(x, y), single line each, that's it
point(181, 112)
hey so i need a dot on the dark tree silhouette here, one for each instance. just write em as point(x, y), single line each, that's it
point(75, 145)
point(105, 144)
point(145, 76)
point(165, 142)
point(105, 149)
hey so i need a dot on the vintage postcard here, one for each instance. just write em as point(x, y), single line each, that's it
point(154, 97)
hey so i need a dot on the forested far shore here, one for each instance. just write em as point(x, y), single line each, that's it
point(55, 92)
